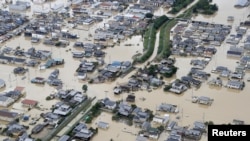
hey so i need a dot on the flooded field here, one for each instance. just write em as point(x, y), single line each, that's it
point(228, 104)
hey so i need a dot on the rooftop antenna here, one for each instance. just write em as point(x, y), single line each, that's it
point(156, 112)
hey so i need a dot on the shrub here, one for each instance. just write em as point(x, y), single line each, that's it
point(84, 87)
point(166, 88)
point(91, 81)
point(48, 98)
point(159, 21)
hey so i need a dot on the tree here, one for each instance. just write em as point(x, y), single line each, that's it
point(84, 87)
point(149, 15)
point(195, 10)
point(160, 128)
point(214, 7)
point(209, 123)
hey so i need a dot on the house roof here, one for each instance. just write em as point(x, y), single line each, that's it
point(64, 138)
point(108, 102)
point(141, 138)
point(2, 82)
point(3, 98)
point(241, 3)
point(204, 98)
point(4, 113)
point(102, 124)
point(29, 102)
point(106, 4)
point(19, 88)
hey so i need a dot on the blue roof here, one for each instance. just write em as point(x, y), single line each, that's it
point(116, 63)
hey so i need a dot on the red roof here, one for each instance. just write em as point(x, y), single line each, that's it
point(18, 88)
point(4, 113)
point(106, 4)
point(29, 102)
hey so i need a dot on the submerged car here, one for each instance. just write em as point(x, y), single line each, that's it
point(35, 40)
point(54, 74)
point(55, 82)
point(38, 80)
point(32, 63)
point(19, 70)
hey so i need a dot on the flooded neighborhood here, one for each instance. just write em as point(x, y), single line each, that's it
point(124, 70)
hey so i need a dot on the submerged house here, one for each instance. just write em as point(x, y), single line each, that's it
point(219, 69)
point(5, 101)
point(15, 130)
point(8, 116)
point(242, 3)
point(124, 109)
point(193, 134)
point(216, 82)
point(235, 52)
point(103, 125)
point(168, 108)
point(141, 117)
point(200, 126)
point(29, 103)
point(53, 62)
point(109, 104)
point(235, 84)
point(205, 100)
point(63, 110)
point(82, 132)
point(178, 88)
point(11, 60)
point(86, 67)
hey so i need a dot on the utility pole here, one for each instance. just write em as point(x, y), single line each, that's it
point(203, 117)
point(192, 92)
point(106, 93)
point(182, 116)
point(10, 80)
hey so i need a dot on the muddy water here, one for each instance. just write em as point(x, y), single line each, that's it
point(67, 71)
point(120, 131)
point(226, 9)
point(228, 104)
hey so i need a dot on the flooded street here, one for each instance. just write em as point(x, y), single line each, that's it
point(120, 131)
point(228, 104)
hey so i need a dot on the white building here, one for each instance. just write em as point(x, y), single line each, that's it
point(6, 101)
point(161, 120)
point(62, 110)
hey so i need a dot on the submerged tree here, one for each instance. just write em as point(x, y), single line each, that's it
point(84, 87)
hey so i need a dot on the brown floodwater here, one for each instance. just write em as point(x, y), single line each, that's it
point(227, 105)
